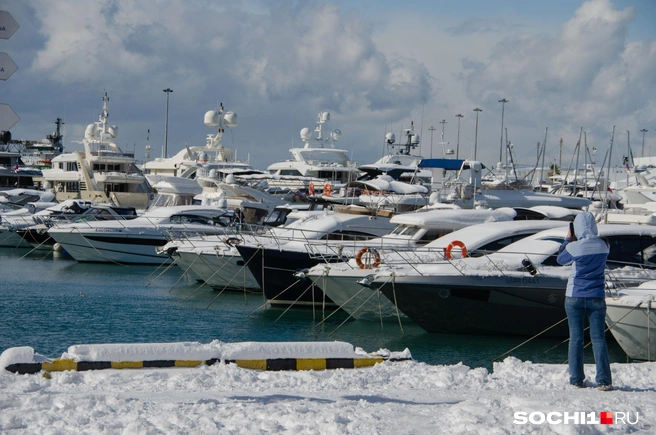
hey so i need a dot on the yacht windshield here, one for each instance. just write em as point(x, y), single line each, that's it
point(325, 157)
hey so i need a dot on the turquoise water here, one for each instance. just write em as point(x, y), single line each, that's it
point(50, 302)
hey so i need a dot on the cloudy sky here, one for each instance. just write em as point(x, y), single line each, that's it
point(375, 65)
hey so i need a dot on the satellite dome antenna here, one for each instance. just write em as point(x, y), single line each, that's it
point(220, 120)
point(412, 139)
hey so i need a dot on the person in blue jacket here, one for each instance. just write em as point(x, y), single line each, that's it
point(585, 298)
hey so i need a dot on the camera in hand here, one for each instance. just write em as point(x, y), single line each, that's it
point(530, 268)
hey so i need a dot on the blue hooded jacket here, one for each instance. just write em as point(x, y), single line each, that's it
point(588, 257)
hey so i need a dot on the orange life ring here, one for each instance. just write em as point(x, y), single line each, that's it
point(371, 261)
point(458, 243)
point(327, 189)
point(311, 189)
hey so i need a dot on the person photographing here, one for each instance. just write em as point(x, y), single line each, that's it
point(585, 298)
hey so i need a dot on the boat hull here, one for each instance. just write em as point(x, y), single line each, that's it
point(103, 248)
point(513, 304)
point(360, 302)
point(634, 329)
point(274, 272)
point(220, 270)
point(11, 239)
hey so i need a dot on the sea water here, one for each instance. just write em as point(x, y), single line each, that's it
point(49, 302)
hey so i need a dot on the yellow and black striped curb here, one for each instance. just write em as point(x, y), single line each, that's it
point(60, 365)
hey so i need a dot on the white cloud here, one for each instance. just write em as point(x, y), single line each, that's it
point(278, 65)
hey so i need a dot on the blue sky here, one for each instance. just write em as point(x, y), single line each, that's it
point(375, 65)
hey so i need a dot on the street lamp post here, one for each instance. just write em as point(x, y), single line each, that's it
point(503, 102)
point(644, 130)
point(459, 116)
point(166, 126)
point(477, 110)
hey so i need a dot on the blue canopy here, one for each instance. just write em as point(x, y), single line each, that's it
point(452, 164)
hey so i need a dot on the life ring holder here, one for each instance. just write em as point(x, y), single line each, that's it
point(459, 244)
point(372, 258)
point(327, 189)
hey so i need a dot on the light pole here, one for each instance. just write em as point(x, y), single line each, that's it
point(477, 110)
point(644, 130)
point(166, 127)
point(432, 129)
point(459, 116)
point(503, 102)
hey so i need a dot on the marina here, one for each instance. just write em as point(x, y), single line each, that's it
point(427, 217)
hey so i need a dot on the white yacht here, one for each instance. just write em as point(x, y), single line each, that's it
point(102, 173)
point(197, 161)
point(518, 290)
point(218, 262)
point(135, 241)
point(18, 197)
point(417, 238)
point(36, 213)
point(393, 183)
point(319, 158)
point(631, 318)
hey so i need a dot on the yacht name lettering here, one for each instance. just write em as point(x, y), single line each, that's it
point(108, 230)
point(524, 280)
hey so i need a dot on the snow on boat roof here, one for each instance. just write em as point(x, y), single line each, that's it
point(605, 230)
point(183, 209)
point(389, 184)
point(477, 235)
point(457, 218)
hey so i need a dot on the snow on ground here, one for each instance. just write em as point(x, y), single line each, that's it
point(389, 398)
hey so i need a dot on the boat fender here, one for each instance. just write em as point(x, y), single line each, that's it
point(327, 189)
point(372, 258)
point(459, 244)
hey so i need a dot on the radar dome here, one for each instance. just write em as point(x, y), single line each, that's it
point(211, 118)
point(91, 131)
point(113, 131)
point(324, 117)
point(230, 178)
point(202, 157)
point(212, 173)
point(230, 119)
point(336, 134)
point(306, 134)
point(415, 139)
point(390, 138)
